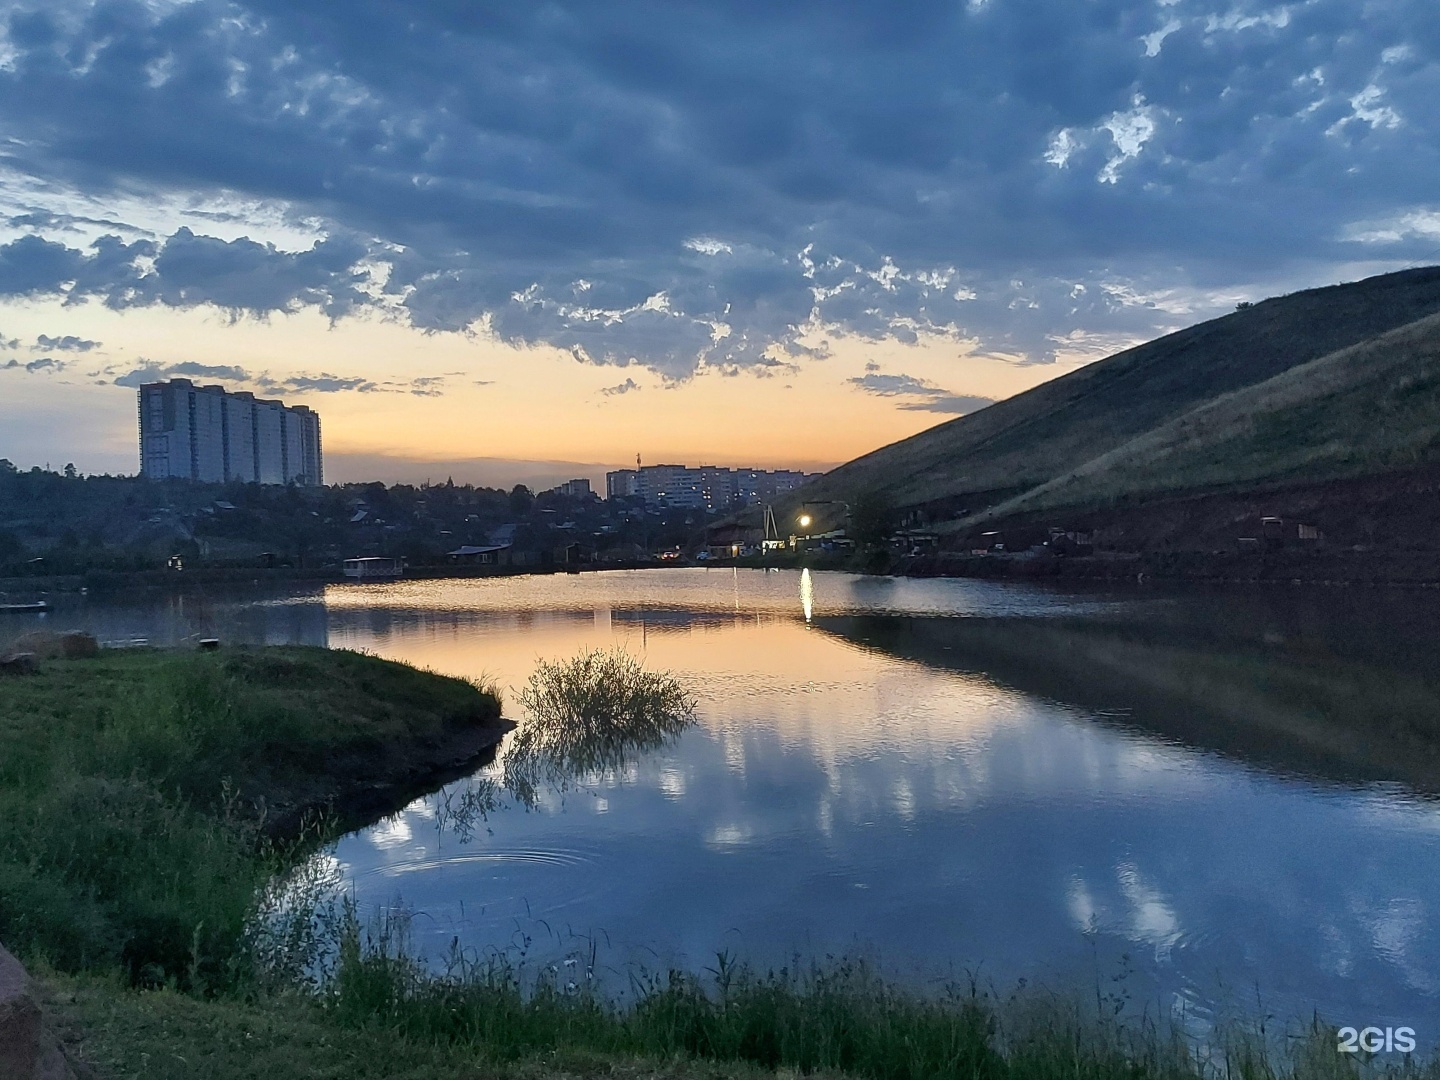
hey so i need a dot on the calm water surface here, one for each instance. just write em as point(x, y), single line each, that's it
point(951, 777)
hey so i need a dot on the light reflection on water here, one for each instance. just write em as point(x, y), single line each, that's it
point(870, 775)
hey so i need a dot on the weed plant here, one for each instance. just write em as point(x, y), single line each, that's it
point(591, 714)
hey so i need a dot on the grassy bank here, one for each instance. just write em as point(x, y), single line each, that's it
point(383, 1016)
point(141, 793)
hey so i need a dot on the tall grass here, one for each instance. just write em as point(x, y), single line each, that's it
point(134, 791)
point(838, 1016)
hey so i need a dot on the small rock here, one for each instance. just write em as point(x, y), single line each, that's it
point(28, 1051)
point(22, 663)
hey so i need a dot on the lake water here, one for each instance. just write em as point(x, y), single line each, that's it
point(1204, 800)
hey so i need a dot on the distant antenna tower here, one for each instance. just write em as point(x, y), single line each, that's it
point(771, 532)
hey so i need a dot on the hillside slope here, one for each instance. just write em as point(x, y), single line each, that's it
point(1369, 408)
point(1051, 431)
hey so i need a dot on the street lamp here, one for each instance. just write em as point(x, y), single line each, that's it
point(805, 521)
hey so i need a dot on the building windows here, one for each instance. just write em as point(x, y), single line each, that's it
point(209, 434)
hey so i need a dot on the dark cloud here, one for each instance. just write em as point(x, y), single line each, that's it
point(926, 396)
point(323, 383)
point(150, 372)
point(625, 387)
point(240, 378)
point(893, 385)
point(186, 270)
point(957, 404)
point(46, 364)
point(675, 185)
point(67, 343)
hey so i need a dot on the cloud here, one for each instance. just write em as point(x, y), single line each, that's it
point(151, 371)
point(893, 385)
point(46, 365)
point(241, 378)
point(324, 383)
point(959, 404)
point(624, 388)
point(428, 386)
point(929, 397)
point(704, 185)
point(67, 343)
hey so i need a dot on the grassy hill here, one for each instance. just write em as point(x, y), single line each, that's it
point(1369, 408)
point(1290, 386)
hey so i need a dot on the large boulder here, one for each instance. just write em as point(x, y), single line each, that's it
point(28, 1050)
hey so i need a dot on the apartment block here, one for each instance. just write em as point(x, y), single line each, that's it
point(713, 487)
point(622, 484)
point(209, 434)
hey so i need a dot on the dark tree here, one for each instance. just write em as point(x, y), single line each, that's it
point(872, 518)
point(521, 499)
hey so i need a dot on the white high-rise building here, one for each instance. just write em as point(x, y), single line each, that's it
point(208, 434)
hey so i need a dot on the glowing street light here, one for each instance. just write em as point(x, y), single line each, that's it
point(804, 521)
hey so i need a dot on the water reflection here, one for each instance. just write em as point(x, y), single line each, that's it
point(1210, 681)
point(956, 776)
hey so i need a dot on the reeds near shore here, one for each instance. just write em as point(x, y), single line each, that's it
point(836, 1017)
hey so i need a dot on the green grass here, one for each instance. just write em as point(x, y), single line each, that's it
point(384, 1015)
point(165, 1035)
point(134, 790)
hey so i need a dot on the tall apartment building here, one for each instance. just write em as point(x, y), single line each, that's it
point(622, 484)
point(209, 434)
point(710, 486)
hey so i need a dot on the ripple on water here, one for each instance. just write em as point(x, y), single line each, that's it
point(424, 860)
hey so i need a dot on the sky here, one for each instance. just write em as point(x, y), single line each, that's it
point(526, 241)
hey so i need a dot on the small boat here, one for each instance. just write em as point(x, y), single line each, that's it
point(25, 609)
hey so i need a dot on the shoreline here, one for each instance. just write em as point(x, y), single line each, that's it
point(1310, 568)
point(357, 801)
point(1412, 570)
